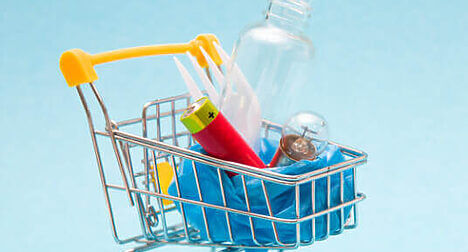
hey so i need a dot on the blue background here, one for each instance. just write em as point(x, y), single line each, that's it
point(390, 77)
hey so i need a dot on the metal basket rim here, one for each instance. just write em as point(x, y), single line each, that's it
point(265, 174)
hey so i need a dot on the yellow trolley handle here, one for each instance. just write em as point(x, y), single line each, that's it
point(77, 66)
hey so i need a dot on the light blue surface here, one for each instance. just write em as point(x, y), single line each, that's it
point(390, 77)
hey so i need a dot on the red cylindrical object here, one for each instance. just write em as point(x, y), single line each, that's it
point(218, 137)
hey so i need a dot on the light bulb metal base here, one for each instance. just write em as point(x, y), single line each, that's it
point(287, 154)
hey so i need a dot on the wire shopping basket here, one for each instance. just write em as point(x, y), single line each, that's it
point(143, 162)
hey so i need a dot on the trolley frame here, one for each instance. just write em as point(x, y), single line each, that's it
point(158, 230)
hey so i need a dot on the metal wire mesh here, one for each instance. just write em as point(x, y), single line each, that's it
point(162, 139)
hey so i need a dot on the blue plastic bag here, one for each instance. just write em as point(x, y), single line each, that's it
point(282, 199)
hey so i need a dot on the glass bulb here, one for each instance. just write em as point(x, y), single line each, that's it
point(311, 131)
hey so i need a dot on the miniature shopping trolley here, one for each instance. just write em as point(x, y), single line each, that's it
point(147, 150)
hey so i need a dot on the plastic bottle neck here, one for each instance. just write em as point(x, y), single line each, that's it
point(291, 15)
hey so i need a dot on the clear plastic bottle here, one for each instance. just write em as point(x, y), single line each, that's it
point(275, 58)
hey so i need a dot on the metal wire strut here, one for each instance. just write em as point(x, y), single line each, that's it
point(139, 160)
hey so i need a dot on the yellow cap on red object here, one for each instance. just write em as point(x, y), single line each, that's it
point(199, 115)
